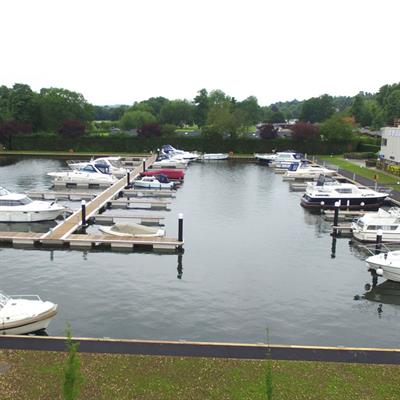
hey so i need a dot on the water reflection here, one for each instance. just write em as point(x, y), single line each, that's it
point(387, 292)
point(36, 227)
point(180, 266)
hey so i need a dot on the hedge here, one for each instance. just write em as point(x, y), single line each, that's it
point(367, 147)
point(127, 144)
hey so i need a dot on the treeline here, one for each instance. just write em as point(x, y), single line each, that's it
point(215, 113)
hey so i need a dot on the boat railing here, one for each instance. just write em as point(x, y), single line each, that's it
point(25, 296)
point(372, 247)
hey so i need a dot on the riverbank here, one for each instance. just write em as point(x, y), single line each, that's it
point(39, 375)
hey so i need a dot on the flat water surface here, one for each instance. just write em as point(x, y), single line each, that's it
point(254, 259)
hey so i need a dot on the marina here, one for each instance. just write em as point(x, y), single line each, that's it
point(227, 286)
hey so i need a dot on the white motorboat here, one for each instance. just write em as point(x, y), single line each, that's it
point(186, 155)
point(15, 207)
point(365, 228)
point(327, 191)
point(112, 165)
point(284, 160)
point(166, 162)
point(89, 174)
point(22, 314)
point(306, 170)
point(214, 156)
point(265, 158)
point(386, 265)
point(132, 230)
point(154, 182)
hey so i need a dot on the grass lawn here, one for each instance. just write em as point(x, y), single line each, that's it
point(39, 375)
point(383, 178)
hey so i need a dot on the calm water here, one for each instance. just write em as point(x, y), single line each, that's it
point(254, 259)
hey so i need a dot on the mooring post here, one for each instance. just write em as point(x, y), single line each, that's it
point(336, 218)
point(128, 178)
point(354, 176)
point(322, 206)
point(378, 243)
point(348, 205)
point(180, 227)
point(362, 204)
point(83, 209)
point(144, 165)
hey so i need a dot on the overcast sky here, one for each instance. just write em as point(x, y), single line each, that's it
point(121, 51)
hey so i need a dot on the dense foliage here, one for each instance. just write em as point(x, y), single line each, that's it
point(213, 114)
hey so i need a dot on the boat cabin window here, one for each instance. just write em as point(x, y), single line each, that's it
point(344, 190)
point(89, 168)
point(382, 227)
point(293, 167)
point(3, 191)
point(13, 203)
point(162, 178)
point(103, 168)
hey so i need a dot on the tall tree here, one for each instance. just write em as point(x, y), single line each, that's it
point(317, 109)
point(251, 110)
point(202, 105)
point(136, 119)
point(58, 105)
point(177, 112)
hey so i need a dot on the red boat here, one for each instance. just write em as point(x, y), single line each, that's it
point(173, 174)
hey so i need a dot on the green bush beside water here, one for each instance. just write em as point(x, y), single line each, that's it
point(126, 143)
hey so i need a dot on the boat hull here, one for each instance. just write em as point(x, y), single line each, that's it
point(30, 216)
point(369, 203)
point(28, 325)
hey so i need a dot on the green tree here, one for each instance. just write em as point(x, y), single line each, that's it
point(24, 105)
point(358, 108)
point(392, 106)
point(5, 113)
point(251, 110)
point(317, 109)
point(73, 378)
point(177, 112)
point(57, 105)
point(224, 119)
point(336, 128)
point(136, 119)
point(202, 105)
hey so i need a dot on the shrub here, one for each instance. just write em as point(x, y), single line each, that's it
point(360, 155)
point(149, 130)
point(305, 131)
point(72, 128)
point(268, 131)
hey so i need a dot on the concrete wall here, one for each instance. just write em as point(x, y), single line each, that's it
point(390, 145)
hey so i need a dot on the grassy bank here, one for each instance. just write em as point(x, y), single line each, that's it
point(383, 178)
point(38, 375)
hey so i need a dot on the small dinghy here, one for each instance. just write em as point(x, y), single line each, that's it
point(132, 230)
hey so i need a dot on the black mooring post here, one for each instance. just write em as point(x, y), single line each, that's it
point(83, 209)
point(180, 227)
point(336, 218)
point(144, 165)
point(378, 243)
point(128, 178)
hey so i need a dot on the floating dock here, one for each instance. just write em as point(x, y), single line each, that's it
point(66, 233)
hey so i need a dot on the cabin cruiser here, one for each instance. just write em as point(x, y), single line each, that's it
point(132, 230)
point(284, 160)
point(15, 207)
point(306, 170)
point(172, 174)
point(22, 314)
point(386, 265)
point(265, 158)
point(167, 162)
point(365, 228)
point(112, 165)
point(214, 156)
point(186, 155)
point(154, 182)
point(327, 191)
point(89, 174)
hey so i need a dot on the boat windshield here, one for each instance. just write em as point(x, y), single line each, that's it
point(89, 168)
point(3, 300)
point(3, 191)
point(116, 163)
point(293, 166)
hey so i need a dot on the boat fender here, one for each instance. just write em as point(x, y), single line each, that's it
point(379, 271)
